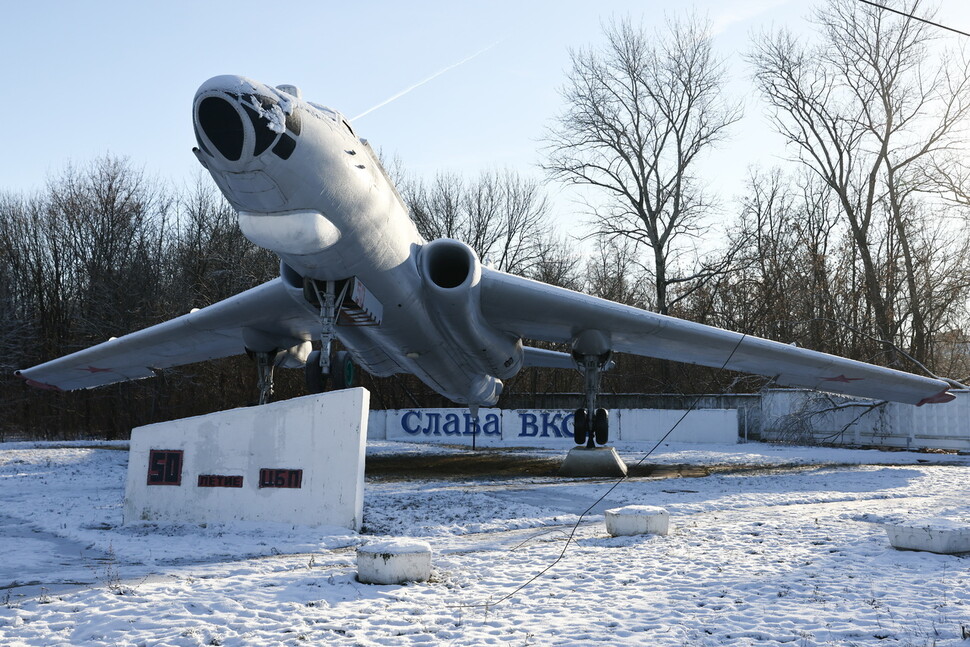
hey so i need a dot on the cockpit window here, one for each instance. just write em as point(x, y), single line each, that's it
point(264, 136)
point(293, 121)
point(223, 126)
point(285, 146)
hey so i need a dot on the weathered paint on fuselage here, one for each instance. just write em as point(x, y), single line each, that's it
point(330, 212)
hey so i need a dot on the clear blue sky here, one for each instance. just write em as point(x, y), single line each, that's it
point(84, 78)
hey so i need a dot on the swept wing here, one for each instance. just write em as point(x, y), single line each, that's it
point(534, 310)
point(211, 332)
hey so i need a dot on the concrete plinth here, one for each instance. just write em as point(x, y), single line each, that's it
point(298, 461)
point(932, 535)
point(637, 520)
point(598, 461)
point(394, 561)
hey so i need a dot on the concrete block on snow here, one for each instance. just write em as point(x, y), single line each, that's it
point(394, 561)
point(932, 535)
point(637, 520)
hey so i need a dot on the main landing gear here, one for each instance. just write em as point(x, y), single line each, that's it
point(591, 425)
point(341, 372)
point(265, 363)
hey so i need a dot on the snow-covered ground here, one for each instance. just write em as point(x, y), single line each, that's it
point(779, 546)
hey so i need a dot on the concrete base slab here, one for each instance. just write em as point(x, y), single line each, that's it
point(932, 535)
point(394, 561)
point(598, 461)
point(637, 520)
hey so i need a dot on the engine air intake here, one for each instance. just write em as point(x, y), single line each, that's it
point(448, 264)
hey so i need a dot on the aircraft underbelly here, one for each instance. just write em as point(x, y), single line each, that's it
point(407, 340)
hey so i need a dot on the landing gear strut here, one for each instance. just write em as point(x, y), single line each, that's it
point(592, 429)
point(265, 363)
point(591, 351)
point(324, 367)
point(323, 294)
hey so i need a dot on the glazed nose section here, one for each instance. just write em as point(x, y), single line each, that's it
point(222, 124)
point(238, 120)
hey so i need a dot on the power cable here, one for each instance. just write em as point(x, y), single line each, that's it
point(909, 15)
point(572, 532)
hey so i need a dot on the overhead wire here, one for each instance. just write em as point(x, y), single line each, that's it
point(913, 16)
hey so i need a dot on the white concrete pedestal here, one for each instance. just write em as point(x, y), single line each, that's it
point(931, 535)
point(598, 461)
point(298, 461)
point(637, 520)
point(394, 561)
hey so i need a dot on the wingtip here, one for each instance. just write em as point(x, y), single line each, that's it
point(939, 398)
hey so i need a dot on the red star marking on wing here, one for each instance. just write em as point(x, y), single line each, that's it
point(95, 369)
point(939, 398)
point(39, 385)
point(841, 378)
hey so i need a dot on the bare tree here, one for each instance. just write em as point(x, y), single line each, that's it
point(613, 272)
point(112, 223)
point(639, 115)
point(869, 109)
point(558, 264)
point(503, 216)
point(212, 259)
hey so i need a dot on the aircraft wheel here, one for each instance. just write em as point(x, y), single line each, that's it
point(601, 426)
point(316, 381)
point(344, 371)
point(580, 426)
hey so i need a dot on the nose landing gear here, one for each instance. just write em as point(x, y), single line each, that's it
point(324, 367)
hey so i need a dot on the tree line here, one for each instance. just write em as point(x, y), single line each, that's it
point(857, 245)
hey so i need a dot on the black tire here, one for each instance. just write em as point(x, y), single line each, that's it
point(316, 381)
point(580, 426)
point(344, 371)
point(601, 426)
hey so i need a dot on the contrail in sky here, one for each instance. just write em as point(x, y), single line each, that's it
point(430, 78)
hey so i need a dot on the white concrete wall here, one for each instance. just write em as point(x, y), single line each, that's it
point(322, 435)
point(805, 416)
point(554, 428)
point(697, 426)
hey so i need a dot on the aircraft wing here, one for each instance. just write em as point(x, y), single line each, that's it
point(534, 310)
point(208, 333)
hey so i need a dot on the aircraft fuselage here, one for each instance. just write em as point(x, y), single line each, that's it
point(308, 188)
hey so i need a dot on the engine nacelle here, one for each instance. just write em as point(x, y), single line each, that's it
point(290, 353)
point(452, 275)
point(294, 356)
